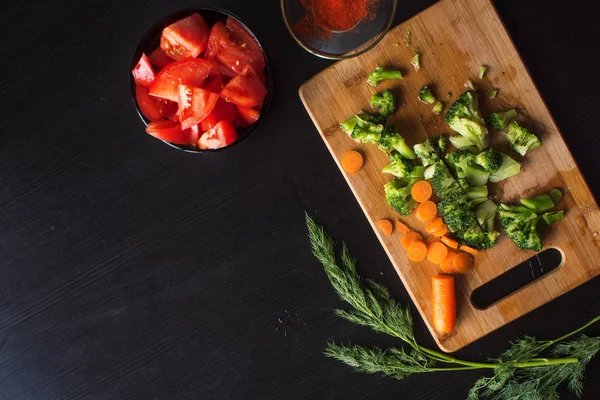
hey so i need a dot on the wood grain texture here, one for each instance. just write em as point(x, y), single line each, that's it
point(455, 37)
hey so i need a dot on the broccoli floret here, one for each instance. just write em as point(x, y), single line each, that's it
point(441, 143)
point(508, 168)
point(349, 125)
point(520, 224)
point(380, 74)
point(521, 139)
point(500, 119)
point(363, 127)
point(426, 152)
point(443, 182)
point(556, 196)
point(392, 140)
point(463, 162)
point(429, 172)
point(425, 95)
point(489, 159)
point(437, 109)
point(477, 238)
point(397, 193)
point(386, 102)
point(482, 70)
point(477, 192)
point(416, 61)
point(486, 213)
point(464, 117)
point(538, 204)
point(456, 213)
point(399, 166)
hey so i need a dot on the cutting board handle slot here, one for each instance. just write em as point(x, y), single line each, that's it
point(516, 278)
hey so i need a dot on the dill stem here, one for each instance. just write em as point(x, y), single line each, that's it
point(592, 322)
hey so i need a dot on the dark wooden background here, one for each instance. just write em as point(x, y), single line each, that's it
point(129, 270)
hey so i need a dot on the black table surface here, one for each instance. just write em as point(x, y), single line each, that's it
point(130, 270)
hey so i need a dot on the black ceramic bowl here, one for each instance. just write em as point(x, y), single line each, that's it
point(151, 40)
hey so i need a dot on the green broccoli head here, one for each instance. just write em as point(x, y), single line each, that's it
point(363, 127)
point(464, 117)
point(478, 239)
point(399, 166)
point(426, 96)
point(508, 168)
point(490, 160)
point(456, 213)
point(443, 182)
point(386, 102)
point(521, 139)
point(463, 162)
point(392, 140)
point(441, 143)
point(398, 195)
point(380, 74)
point(426, 152)
point(520, 224)
point(349, 124)
point(500, 119)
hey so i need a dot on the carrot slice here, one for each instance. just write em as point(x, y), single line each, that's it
point(401, 227)
point(352, 161)
point(441, 231)
point(443, 300)
point(431, 239)
point(450, 242)
point(448, 264)
point(421, 191)
point(386, 226)
point(426, 211)
point(417, 251)
point(434, 225)
point(437, 252)
point(410, 237)
point(463, 263)
point(470, 250)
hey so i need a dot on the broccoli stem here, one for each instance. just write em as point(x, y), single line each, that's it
point(348, 125)
point(556, 196)
point(482, 70)
point(538, 204)
point(552, 217)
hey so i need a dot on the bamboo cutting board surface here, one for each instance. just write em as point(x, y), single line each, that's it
point(454, 38)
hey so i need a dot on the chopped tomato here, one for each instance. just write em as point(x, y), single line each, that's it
point(169, 131)
point(223, 111)
point(219, 69)
point(154, 109)
point(242, 34)
point(159, 59)
point(245, 90)
point(203, 102)
point(214, 84)
point(221, 135)
point(143, 72)
point(219, 38)
point(186, 38)
point(248, 115)
point(195, 104)
point(187, 72)
point(194, 135)
point(234, 49)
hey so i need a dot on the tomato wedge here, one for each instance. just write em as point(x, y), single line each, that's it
point(195, 104)
point(159, 59)
point(191, 72)
point(245, 90)
point(169, 131)
point(152, 108)
point(186, 38)
point(143, 72)
point(221, 135)
point(248, 115)
point(223, 111)
point(194, 135)
point(243, 35)
point(218, 38)
point(234, 49)
point(214, 84)
point(219, 69)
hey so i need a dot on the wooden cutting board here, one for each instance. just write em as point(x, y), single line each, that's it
point(454, 38)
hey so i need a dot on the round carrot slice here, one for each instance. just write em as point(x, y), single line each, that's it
point(386, 226)
point(401, 227)
point(426, 211)
point(470, 250)
point(441, 231)
point(410, 237)
point(437, 252)
point(417, 251)
point(450, 242)
point(431, 239)
point(434, 225)
point(352, 161)
point(463, 263)
point(421, 191)
point(448, 264)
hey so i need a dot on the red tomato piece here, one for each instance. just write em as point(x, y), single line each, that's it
point(221, 135)
point(143, 72)
point(219, 38)
point(194, 135)
point(214, 84)
point(248, 115)
point(223, 111)
point(242, 34)
point(195, 104)
point(154, 109)
point(159, 59)
point(186, 38)
point(233, 49)
point(187, 72)
point(169, 131)
point(219, 69)
point(245, 90)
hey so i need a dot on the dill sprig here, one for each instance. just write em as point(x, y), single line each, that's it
point(519, 373)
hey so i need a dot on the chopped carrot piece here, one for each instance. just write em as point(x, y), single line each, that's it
point(417, 251)
point(434, 225)
point(386, 226)
point(443, 301)
point(463, 263)
point(426, 211)
point(421, 191)
point(431, 239)
point(450, 242)
point(448, 264)
point(410, 237)
point(441, 231)
point(401, 227)
point(469, 249)
point(352, 161)
point(437, 252)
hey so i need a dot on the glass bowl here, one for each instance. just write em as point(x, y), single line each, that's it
point(330, 42)
point(151, 40)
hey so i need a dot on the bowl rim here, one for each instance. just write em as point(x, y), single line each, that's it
point(328, 56)
point(182, 13)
